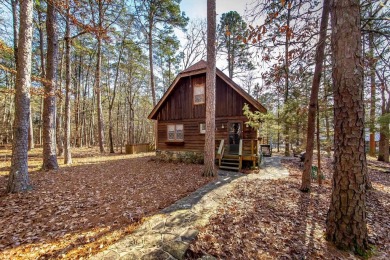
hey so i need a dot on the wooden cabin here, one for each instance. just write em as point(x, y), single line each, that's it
point(181, 113)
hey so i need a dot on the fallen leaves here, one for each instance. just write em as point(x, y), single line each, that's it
point(79, 210)
point(272, 219)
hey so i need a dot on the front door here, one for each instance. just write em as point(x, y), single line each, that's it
point(235, 134)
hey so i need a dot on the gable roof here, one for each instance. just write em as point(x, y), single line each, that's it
point(199, 68)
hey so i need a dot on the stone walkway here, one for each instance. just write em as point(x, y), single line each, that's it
point(168, 235)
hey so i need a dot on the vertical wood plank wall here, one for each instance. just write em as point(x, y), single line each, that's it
point(179, 109)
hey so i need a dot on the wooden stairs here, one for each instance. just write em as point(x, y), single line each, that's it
point(230, 162)
point(233, 160)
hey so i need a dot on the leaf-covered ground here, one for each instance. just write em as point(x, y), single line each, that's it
point(272, 219)
point(81, 209)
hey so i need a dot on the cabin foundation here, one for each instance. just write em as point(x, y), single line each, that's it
point(180, 156)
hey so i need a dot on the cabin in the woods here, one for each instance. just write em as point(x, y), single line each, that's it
point(181, 113)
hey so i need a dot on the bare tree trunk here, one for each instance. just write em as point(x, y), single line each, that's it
point(346, 219)
point(14, 6)
point(60, 144)
point(209, 148)
point(152, 85)
point(306, 175)
point(286, 130)
point(19, 180)
point(372, 64)
point(319, 179)
point(49, 104)
point(67, 151)
point(384, 126)
point(327, 124)
point(41, 122)
point(77, 114)
point(113, 96)
point(31, 144)
point(99, 97)
point(43, 72)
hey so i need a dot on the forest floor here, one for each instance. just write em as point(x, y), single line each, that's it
point(272, 219)
point(81, 209)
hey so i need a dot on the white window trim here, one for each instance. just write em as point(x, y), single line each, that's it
point(202, 128)
point(199, 86)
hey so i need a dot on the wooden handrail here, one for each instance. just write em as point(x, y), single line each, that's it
point(221, 150)
point(221, 145)
point(221, 156)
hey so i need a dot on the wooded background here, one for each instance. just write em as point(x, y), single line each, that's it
point(114, 59)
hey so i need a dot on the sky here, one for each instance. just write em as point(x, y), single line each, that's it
point(198, 8)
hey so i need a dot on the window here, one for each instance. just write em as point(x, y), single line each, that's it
point(175, 132)
point(202, 128)
point(199, 97)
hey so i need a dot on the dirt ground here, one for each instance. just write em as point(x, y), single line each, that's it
point(272, 219)
point(81, 209)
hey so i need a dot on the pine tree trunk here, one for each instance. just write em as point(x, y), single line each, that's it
point(30, 132)
point(286, 129)
point(59, 137)
point(327, 123)
point(384, 128)
point(49, 103)
point(152, 85)
point(14, 5)
point(99, 97)
point(77, 71)
point(60, 144)
point(346, 220)
point(372, 149)
point(43, 72)
point(18, 177)
point(319, 179)
point(67, 151)
point(113, 97)
point(320, 53)
point(209, 148)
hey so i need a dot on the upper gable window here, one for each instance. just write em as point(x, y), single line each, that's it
point(199, 93)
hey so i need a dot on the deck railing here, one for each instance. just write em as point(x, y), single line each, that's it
point(252, 147)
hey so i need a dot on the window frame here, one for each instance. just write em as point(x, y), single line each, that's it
point(199, 86)
point(176, 128)
point(202, 131)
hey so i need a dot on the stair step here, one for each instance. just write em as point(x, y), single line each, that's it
point(230, 156)
point(229, 168)
point(230, 163)
point(230, 159)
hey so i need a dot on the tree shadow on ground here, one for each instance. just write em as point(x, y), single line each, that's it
point(76, 204)
point(378, 219)
point(187, 202)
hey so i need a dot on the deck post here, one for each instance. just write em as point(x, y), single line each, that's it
point(240, 155)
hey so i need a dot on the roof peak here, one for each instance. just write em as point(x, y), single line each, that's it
point(202, 64)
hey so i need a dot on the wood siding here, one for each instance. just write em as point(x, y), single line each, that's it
point(194, 140)
point(179, 108)
point(180, 104)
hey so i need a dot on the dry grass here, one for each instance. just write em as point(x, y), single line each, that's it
point(80, 156)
